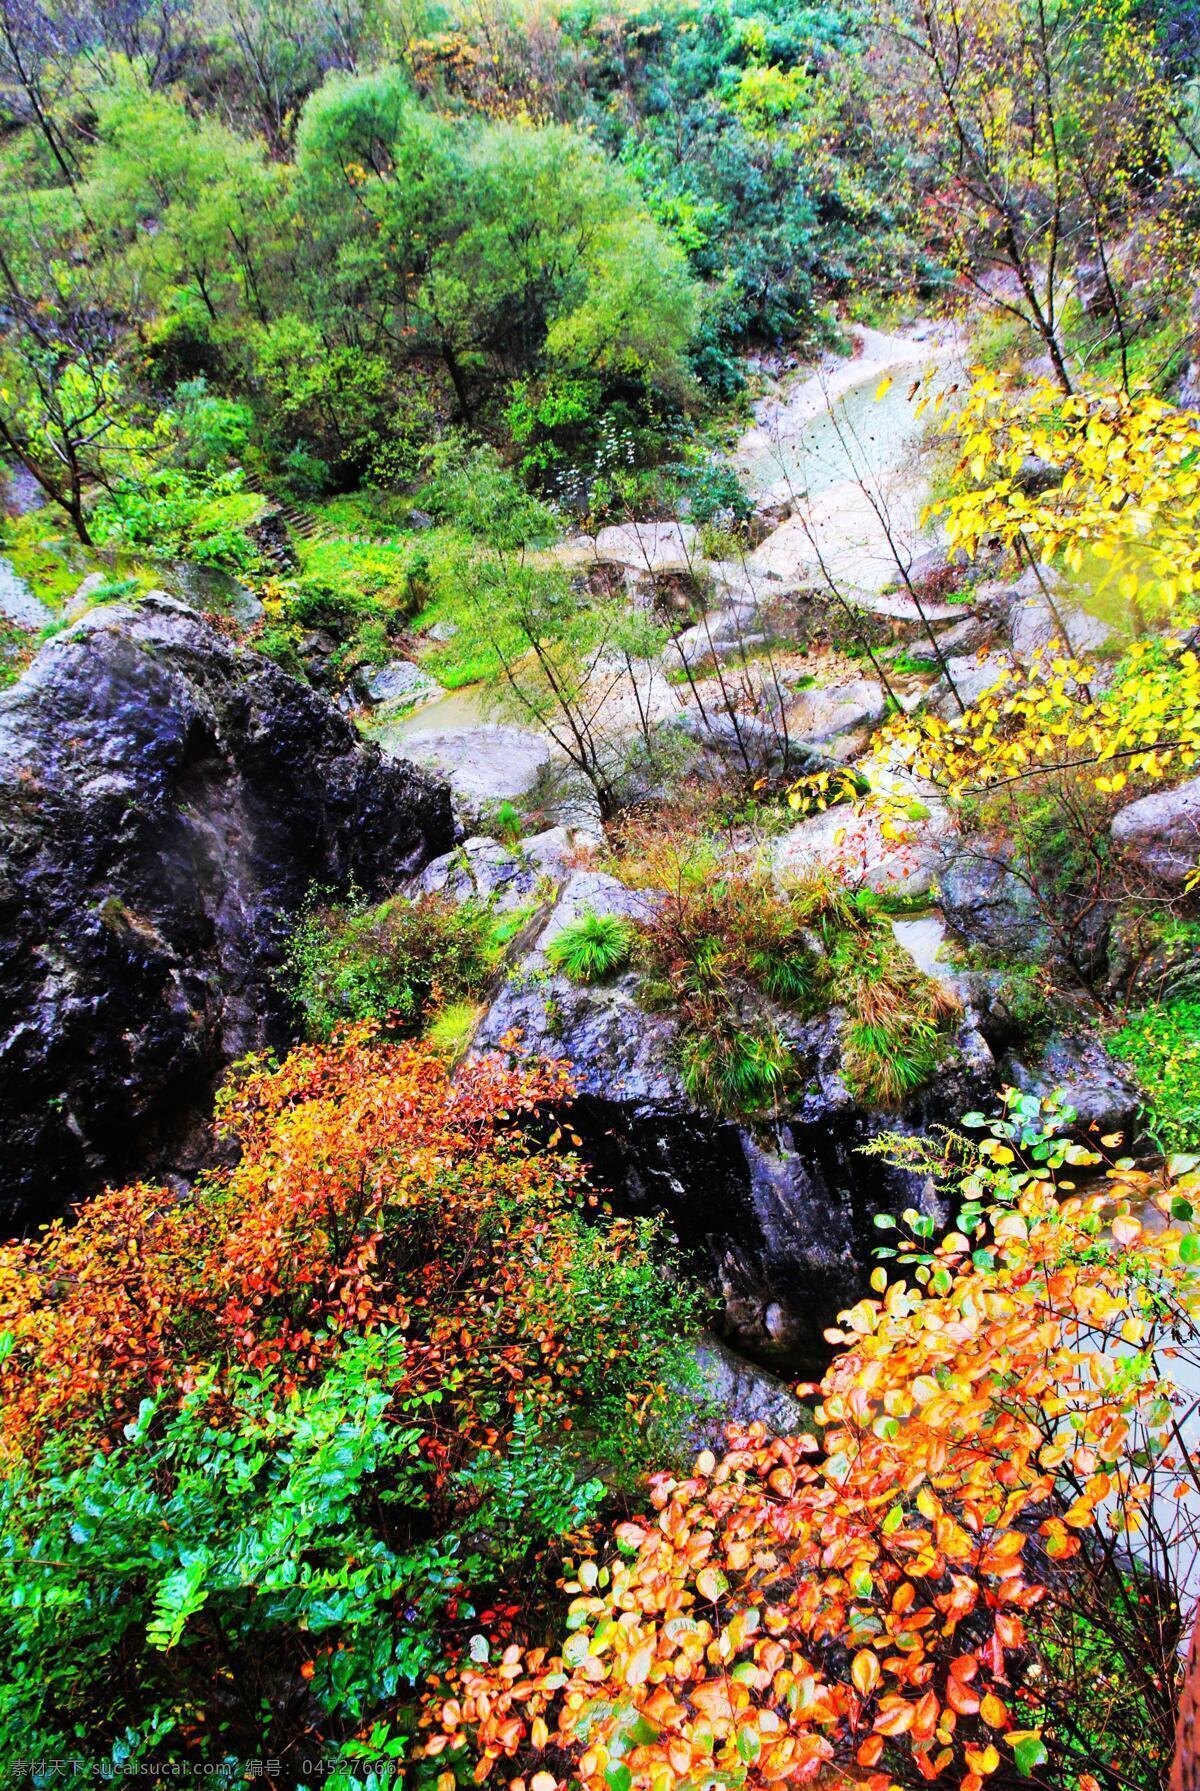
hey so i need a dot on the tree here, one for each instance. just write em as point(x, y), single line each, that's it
point(497, 249)
point(1037, 126)
point(196, 212)
point(66, 413)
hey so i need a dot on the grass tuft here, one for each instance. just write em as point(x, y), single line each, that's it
point(591, 948)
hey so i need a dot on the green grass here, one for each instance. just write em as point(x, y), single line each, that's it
point(736, 1068)
point(451, 1031)
point(1161, 1045)
point(592, 947)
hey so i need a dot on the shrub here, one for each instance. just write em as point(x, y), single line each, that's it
point(190, 515)
point(397, 962)
point(592, 947)
point(998, 1464)
point(1162, 1046)
point(272, 1451)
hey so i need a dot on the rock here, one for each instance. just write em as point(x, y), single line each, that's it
point(776, 1213)
point(1093, 289)
point(483, 765)
point(1035, 476)
point(85, 592)
point(167, 800)
point(984, 903)
point(1161, 832)
point(966, 637)
point(729, 1389)
point(1032, 624)
point(721, 635)
point(854, 847)
point(649, 546)
point(399, 682)
point(420, 519)
point(507, 876)
point(213, 590)
point(972, 675)
point(1077, 1069)
point(747, 745)
point(839, 717)
point(442, 631)
point(18, 603)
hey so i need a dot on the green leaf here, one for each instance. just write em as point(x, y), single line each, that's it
point(618, 1776)
point(893, 1520)
point(1189, 1249)
point(749, 1743)
point(1028, 1750)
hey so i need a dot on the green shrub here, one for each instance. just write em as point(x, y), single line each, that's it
point(250, 1518)
point(188, 515)
point(1162, 1047)
point(400, 961)
point(592, 947)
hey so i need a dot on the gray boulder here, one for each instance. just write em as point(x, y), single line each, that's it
point(776, 1213)
point(399, 682)
point(729, 1389)
point(1161, 832)
point(839, 718)
point(483, 765)
point(1077, 1068)
point(167, 800)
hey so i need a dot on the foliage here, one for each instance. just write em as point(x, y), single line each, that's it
point(185, 516)
point(399, 961)
point(722, 940)
point(271, 1448)
point(1162, 1046)
point(1118, 489)
point(591, 947)
point(998, 1427)
point(1049, 716)
point(1032, 135)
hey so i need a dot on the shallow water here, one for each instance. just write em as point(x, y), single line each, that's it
point(469, 707)
point(857, 433)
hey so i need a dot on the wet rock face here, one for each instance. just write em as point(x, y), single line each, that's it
point(776, 1215)
point(166, 802)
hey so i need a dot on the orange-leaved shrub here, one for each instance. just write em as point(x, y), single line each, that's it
point(269, 1449)
point(371, 1189)
point(1000, 1487)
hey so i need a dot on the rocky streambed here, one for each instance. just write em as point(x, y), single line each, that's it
point(168, 799)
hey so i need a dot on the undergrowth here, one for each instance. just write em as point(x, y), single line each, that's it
point(402, 961)
point(1162, 1046)
point(734, 954)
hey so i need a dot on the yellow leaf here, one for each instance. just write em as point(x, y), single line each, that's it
point(864, 1671)
point(637, 1668)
